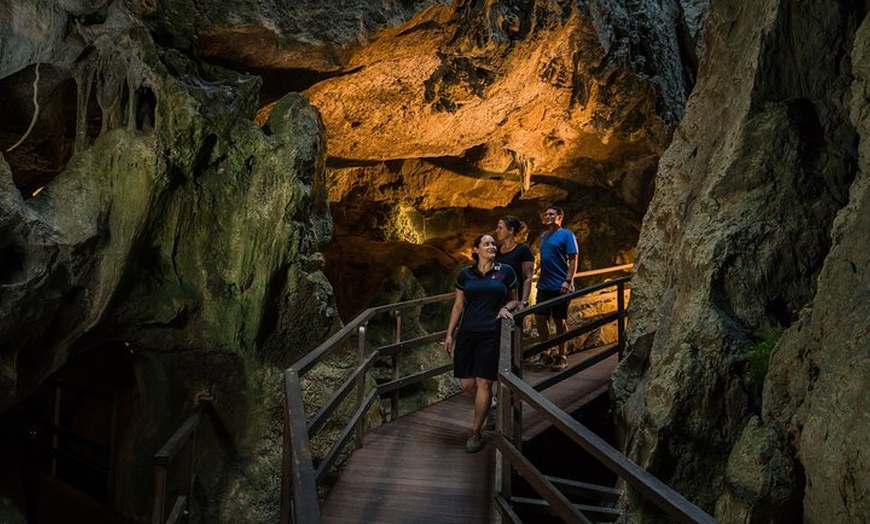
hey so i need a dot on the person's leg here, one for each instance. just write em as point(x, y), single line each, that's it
point(481, 408)
point(542, 322)
point(560, 361)
point(481, 403)
point(560, 329)
point(560, 315)
point(468, 387)
point(543, 327)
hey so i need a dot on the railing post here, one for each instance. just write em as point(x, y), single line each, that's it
point(186, 487)
point(54, 432)
point(361, 384)
point(515, 428)
point(620, 321)
point(394, 399)
point(286, 473)
point(302, 505)
point(507, 353)
point(113, 442)
point(158, 513)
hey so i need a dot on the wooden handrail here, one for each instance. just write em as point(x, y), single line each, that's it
point(604, 271)
point(311, 359)
point(516, 392)
point(570, 334)
point(343, 391)
point(558, 502)
point(674, 504)
point(299, 492)
point(178, 439)
point(162, 460)
point(569, 297)
point(298, 472)
point(345, 435)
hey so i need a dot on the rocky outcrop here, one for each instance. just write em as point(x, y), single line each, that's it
point(176, 230)
point(470, 107)
point(741, 238)
point(818, 372)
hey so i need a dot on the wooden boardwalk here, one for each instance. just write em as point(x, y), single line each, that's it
point(416, 471)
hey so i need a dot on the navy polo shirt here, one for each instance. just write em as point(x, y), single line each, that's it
point(484, 296)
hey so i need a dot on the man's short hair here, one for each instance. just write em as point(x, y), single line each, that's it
point(559, 211)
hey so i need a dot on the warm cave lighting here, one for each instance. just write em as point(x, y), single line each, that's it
point(410, 225)
point(36, 191)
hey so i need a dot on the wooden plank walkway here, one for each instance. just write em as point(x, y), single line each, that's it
point(416, 471)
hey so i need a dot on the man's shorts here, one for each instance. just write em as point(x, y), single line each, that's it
point(558, 311)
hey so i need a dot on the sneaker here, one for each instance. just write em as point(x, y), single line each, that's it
point(560, 363)
point(542, 361)
point(474, 443)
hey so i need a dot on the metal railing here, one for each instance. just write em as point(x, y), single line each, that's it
point(173, 454)
point(514, 392)
point(299, 499)
point(300, 477)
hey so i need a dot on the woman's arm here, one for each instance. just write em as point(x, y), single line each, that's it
point(512, 305)
point(528, 271)
point(455, 313)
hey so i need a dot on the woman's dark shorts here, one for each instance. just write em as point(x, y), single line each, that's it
point(557, 311)
point(476, 355)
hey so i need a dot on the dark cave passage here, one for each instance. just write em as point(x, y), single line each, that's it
point(64, 439)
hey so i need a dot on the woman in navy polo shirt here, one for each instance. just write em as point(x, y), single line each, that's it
point(485, 293)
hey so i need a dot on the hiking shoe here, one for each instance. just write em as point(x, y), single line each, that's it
point(560, 363)
point(474, 443)
point(542, 361)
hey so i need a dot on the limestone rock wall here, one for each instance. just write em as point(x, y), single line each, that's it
point(743, 235)
point(176, 230)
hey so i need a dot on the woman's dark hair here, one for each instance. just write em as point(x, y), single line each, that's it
point(513, 223)
point(477, 240)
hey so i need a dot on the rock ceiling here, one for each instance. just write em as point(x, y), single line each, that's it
point(431, 109)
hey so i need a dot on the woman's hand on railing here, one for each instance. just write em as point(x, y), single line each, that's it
point(504, 312)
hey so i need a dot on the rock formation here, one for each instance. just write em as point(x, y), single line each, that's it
point(172, 233)
point(754, 230)
point(164, 202)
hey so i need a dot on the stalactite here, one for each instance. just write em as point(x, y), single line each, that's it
point(84, 79)
point(35, 109)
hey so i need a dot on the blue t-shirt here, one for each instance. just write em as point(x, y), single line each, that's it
point(555, 249)
point(484, 296)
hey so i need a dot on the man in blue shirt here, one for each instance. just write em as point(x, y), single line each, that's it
point(558, 265)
